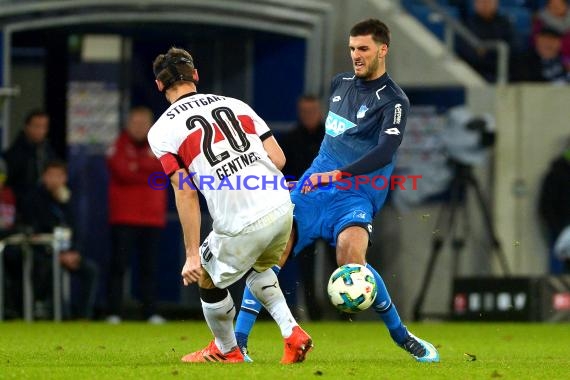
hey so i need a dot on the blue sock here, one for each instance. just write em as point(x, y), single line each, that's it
point(248, 313)
point(384, 307)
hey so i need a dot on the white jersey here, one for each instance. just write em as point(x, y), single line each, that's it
point(219, 141)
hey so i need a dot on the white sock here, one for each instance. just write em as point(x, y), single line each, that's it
point(265, 287)
point(220, 319)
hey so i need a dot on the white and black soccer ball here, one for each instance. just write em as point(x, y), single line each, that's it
point(352, 288)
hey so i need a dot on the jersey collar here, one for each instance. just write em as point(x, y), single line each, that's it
point(185, 96)
point(373, 84)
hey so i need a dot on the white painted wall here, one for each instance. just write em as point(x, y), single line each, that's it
point(534, 123)
point(29, 78)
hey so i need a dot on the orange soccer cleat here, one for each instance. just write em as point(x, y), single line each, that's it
point(212, 354)
point(296, 346)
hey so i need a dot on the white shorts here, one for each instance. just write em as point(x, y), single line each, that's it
point(258, 246)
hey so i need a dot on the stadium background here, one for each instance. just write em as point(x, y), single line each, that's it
point(87, 62)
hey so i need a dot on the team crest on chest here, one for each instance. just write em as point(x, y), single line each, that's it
point(361, 111)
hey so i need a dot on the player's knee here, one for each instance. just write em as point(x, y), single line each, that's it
point(352, 244)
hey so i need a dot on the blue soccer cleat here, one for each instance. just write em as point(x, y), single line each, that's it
point(246, 357)
point(421, 350)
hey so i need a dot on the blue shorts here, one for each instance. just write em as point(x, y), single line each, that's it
point(325, 213)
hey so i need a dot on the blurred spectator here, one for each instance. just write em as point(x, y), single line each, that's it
point(301, 146)
point(11, 254)
point(488, 24)
point(137, 214)
point(7, 204)
point(47, 207)
point(554, 203)
point(543, 63)
point(556, 15)
point(28, 155)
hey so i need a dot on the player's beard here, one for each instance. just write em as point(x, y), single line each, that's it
point(371, 70)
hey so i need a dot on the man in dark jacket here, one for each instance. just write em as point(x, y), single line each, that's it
point(543, 63)
point(28, 155)
point(301, 146)
point(11, 255)
point(487, 24)
point(47, 207)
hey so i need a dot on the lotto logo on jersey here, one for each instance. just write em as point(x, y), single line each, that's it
point(336, 125)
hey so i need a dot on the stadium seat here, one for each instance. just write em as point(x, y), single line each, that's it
point(529, 5)
point(407, 3)
point(520, 14)
point(432, 20)
point(513, 3)
point(521, 18)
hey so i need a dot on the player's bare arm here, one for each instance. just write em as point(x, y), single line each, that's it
point(189, 212)
point(274, 151)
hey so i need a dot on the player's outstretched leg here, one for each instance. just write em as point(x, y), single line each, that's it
point(421, 350)
point(219, 312)
point(265, 287)
point(249, 310)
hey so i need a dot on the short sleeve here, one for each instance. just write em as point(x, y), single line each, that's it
point(163, 150)
point(252, 123)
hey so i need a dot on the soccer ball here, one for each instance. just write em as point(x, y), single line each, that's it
point(352, 288)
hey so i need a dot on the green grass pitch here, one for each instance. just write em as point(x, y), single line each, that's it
point(343, 350)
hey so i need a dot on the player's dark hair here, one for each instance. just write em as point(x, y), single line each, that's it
point(379, 31)
point(55, 164)
point(175, 66)
point(33, 114)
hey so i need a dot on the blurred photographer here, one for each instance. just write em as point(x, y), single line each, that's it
point(554, 208)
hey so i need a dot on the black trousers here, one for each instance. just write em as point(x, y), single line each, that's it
point(126, 241)
point(307, 258)
point(85, 276)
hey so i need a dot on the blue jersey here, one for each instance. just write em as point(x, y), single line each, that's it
point(364, 128)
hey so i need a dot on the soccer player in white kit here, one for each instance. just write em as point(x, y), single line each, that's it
point(221, 147)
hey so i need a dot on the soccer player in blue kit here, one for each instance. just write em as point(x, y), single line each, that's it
point(364, 128)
